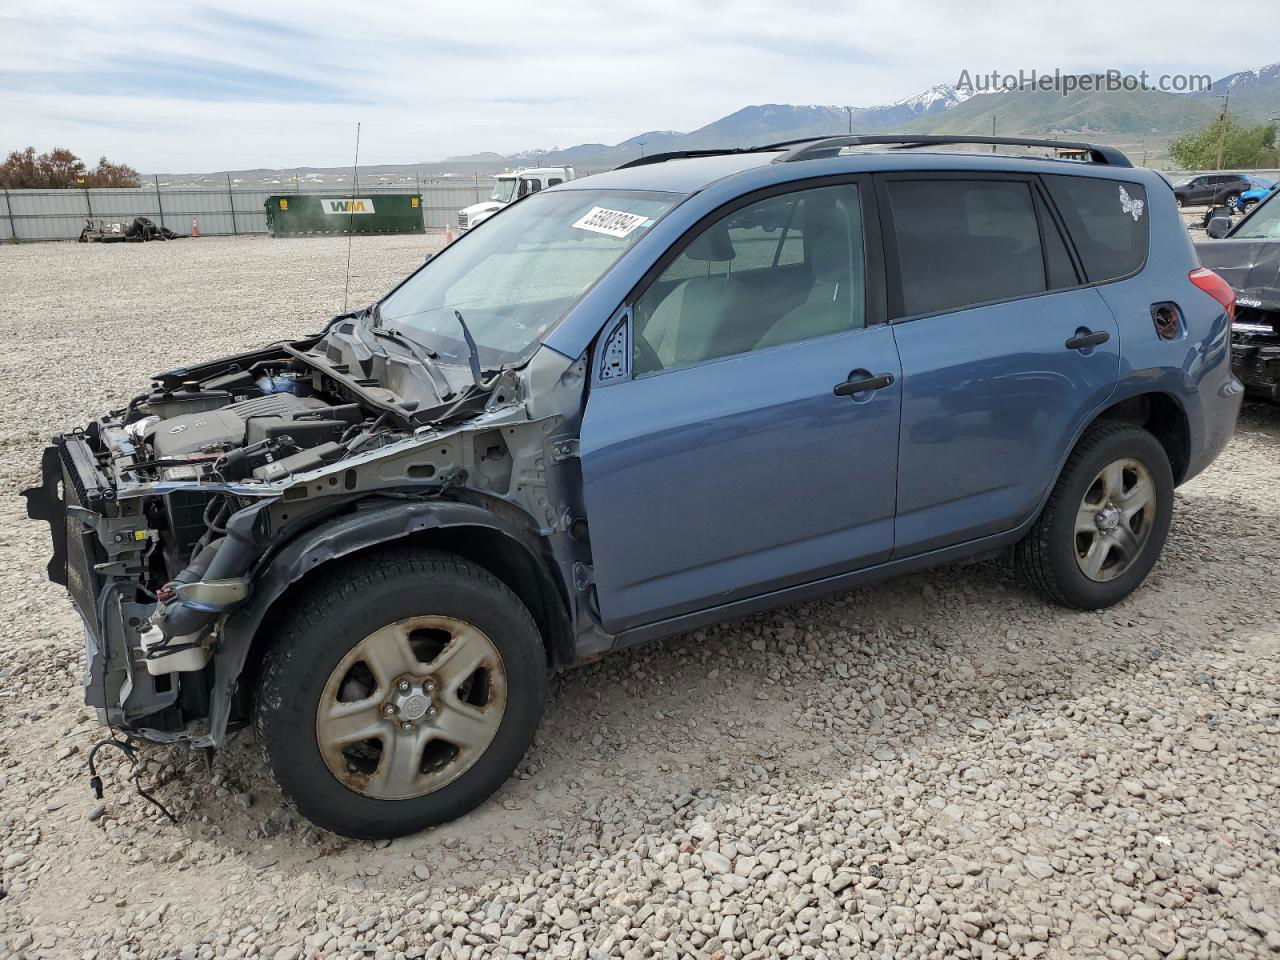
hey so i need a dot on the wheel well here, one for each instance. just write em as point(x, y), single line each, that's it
point(505, 558)
point(1162, 416)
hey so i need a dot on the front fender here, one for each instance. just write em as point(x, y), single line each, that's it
point(370, 524)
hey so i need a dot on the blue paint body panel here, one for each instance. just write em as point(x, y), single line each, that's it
point(713, 482)
point(990, 397)
point(737, 484)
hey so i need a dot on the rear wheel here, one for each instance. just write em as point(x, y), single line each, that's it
point(1106, 521)
point(404, 691)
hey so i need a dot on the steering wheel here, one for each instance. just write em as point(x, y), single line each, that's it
point(646, 358)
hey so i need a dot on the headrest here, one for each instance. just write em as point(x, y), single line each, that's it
point(713, 245)
point(827, 237)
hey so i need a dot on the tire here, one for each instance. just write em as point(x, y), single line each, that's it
point(1231, 199)
point(319, 672)
point(1053, 556)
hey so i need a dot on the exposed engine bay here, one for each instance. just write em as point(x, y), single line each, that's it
point(168, 515)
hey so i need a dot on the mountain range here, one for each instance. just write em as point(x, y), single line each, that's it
point(1140, 122)
point(1137, 120)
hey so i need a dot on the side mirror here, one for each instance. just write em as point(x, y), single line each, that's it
point(1219, 224)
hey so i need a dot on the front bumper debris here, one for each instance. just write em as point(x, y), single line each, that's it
point(1255, 358)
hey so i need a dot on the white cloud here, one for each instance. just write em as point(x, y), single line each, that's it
point(186, 86)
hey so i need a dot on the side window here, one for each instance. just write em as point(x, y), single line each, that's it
point(1059, 269)
point(964, 242)
point(554, 180)
point(785, 269)
point(1107, 220)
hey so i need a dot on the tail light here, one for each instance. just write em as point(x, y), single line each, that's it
point(1216, 287)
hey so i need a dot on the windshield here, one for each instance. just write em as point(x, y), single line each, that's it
point(504, 191)
point(515, 276)
point(1264, 224)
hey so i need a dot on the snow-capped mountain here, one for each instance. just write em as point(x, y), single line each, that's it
point(942, 96)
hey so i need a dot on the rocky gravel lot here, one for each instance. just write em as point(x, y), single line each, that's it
point(939, 766)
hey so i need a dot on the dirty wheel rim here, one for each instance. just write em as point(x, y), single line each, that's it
point(1114, 519)
point(412, 707)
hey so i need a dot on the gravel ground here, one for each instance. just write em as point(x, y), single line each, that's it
point(938, 766)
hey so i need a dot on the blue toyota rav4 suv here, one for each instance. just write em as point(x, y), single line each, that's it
point(689, 389)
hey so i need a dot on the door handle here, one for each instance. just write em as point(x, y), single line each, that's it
point(1082, 340)
point(849, 387)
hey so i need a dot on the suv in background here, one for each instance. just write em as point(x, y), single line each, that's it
point(673, 394)
point(1213, 189)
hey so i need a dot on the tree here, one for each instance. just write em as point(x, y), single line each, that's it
point(108, 174)
point(60, 169)
point(1242, 147)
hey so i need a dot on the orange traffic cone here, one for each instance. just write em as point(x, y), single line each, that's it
point(195, 227)
point(448, 234)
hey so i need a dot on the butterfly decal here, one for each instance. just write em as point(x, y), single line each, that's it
point(1130, 205)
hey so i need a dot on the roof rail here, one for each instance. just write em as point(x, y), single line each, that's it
point(680, 155)
point(715, 152)
point(830, 146)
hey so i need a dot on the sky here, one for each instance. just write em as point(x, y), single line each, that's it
point(179, 87)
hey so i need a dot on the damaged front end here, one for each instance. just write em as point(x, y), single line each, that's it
point(168, 516)
point(1252, 268)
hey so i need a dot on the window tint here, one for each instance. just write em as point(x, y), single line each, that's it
point(785, 269)
point(1107, 219)
point(962, 242)
point(1060, 270)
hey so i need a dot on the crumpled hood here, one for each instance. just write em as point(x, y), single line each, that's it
point(1251, 267)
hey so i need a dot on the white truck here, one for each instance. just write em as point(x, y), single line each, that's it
point(509, 188)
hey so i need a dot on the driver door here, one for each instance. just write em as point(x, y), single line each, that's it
point(751, 443)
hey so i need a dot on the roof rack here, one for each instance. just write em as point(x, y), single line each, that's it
point(830, 146)
point(715, 152)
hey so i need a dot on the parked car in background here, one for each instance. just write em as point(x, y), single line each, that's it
point(1248, 257)
point(510, 187)
point(1211, 189)
point(630, 406)
point(1250, 198)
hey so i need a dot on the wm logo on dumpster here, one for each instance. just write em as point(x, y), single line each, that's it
point(347, 205)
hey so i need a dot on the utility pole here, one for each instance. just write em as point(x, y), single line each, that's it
point(849, 112)
point(998, 116)
point(1222, 129)
point(640, 144)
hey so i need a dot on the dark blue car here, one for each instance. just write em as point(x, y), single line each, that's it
point(692, 388)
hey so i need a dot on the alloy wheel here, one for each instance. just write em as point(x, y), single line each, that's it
point(411, 708)
point(1114, 519)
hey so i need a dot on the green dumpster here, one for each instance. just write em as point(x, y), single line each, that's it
point(318, 214)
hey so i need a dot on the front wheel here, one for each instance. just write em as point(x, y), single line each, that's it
point(1106, 520)
point(402, 692)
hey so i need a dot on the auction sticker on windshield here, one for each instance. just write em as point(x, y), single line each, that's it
point(613, 223)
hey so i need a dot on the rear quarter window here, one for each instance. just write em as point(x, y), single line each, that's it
point(1107, 220)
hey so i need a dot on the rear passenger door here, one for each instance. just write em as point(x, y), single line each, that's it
point(1005, 353)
